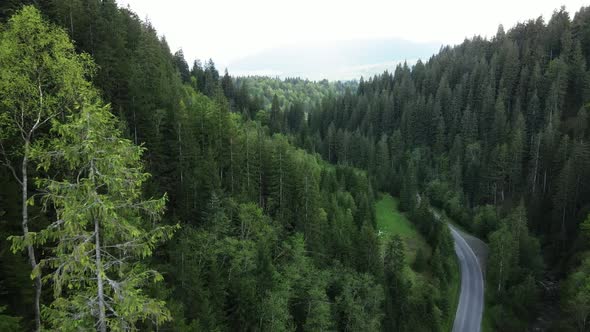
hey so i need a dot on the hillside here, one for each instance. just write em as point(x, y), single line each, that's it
point(495, 133)
point(138, 192)
point(292, 92)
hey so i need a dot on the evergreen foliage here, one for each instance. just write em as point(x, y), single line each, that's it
point(272, 182)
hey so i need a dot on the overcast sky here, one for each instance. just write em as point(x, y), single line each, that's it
point(228, 30)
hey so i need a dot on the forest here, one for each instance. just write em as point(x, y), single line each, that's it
point(495, 134)
point(290, 92)
point(139, 192)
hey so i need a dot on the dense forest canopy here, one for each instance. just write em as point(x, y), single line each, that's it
point(141, 193)
point(291, 91)
point(495, 133)
point(266, 234)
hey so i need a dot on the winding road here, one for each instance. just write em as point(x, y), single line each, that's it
point(470, 308)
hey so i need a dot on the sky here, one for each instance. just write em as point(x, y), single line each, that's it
point(230, 31)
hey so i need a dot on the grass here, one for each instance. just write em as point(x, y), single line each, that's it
point(390, 221)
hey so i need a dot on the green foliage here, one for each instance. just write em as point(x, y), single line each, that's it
point(477, 129)
point(102, 226)
point(485, 220)
point(42, 79)
point(358, 306)
point(291, 91)
point(397, 287)
point(420, 262)
point(514, 263)
point(269, 231)
point(577, 296)
point(41, 74)
point(585, 228)
point(273, 237)
point(8, 322)
point(390, 220)
point(408, 193)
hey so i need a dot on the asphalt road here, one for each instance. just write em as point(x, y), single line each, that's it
point(470, 308)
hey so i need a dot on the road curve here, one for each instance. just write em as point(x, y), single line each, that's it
point(470, 308)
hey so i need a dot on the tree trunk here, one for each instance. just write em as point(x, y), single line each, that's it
point(91, 40)
point(260, 200)
point(71, 23)
point(134, 122)
point(180, 155)
point(231, 163)
point(25, 226)
point(306, 200)
point(182, 266)
point(563, 230)
point(545, 182)
point(536, 163)
point(247, 165)
point(495, 194)
point(102, 321)
point(500, 275)
point(102, 324)
point(281, 182)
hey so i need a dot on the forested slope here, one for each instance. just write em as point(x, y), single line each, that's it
point(495, 132)
point(267, 236)
point(272, 205)
point(291, 91)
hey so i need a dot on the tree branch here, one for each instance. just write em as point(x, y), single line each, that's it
point(6, 163)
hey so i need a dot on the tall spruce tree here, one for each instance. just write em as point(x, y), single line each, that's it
point(103, 230)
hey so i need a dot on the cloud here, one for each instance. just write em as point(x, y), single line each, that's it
point(258, 72)
point(230, 30)
point(366, 71)
point(333, 60)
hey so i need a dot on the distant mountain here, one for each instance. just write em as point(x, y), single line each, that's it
point(334, 60)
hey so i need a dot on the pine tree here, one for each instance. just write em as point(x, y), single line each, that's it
point(181, 66)
point(409, 189)
point(276, 116)
point(517, 148)
point(227, 85)
point(397, 288)
point(502, 249)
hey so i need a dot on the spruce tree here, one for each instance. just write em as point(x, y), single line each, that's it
point(103, 230)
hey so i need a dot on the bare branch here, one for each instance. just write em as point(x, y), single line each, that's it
point(6, 163)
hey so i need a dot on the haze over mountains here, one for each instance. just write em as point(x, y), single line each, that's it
point(333, 60)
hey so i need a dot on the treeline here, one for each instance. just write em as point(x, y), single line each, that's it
point(495, 133)
point(266, 237)
point(290, 91)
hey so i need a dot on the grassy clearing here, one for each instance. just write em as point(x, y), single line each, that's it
point(390, 221)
